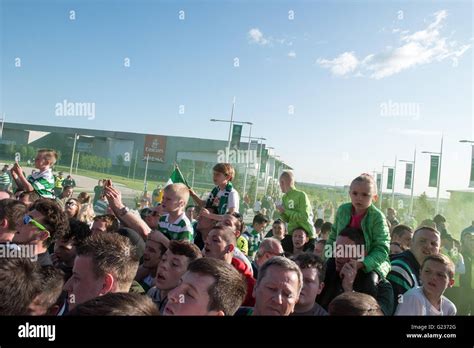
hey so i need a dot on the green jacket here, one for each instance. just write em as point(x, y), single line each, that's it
point(376, 235)
point(298, 212)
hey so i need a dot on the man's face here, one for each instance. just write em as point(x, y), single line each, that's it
point(204, 224)
point(434, 277)
point(361, 195)
point(275, 250)
point(170, 270)
point(277, 293)
point(99, 226)
point(68, 192)
point(425, 243)
point(219, 178)
point(278, 231)
point(285, 184)
point(152, 254)
point(299, 238)
point(215, 246)
point(311, 286)
point(190, 213)
point(65, 251)
point(83, 284)
point(259, 227)
point(153, 218)
point(230, 221)
point(171, 203)
point(28, 234)
point(319, 249)
point(344, 243)
point(191, 297)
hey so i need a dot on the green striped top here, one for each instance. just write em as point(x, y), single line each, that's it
point(43, 183)
point(177, 230)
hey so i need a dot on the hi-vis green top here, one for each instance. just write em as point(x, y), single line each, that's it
point(298, 212)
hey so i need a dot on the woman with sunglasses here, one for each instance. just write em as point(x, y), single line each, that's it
point(72, 208)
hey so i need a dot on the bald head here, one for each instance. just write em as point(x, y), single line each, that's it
point(268, 248)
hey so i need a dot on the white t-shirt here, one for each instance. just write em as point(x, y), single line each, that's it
point(232, 199)
point(416, 303)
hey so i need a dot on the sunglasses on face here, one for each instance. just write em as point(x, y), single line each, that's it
point(27, 219)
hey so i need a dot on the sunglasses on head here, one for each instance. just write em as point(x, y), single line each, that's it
point(27, 219)
point(71, 203)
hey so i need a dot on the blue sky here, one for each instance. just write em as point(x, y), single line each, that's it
point(336, 63)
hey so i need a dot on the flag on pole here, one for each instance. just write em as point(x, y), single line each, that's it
point(236, 134)
point(434, 168)
point(409, 175)
point(390, 179)
point(176, 177)
point(471, 181)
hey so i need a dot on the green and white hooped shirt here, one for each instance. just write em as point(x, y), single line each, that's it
point(43, 183)
point(177, 230)
point(223, 200)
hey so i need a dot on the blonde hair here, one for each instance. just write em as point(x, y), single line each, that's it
point(180, 190)
point(366, 178)
point(50, 155)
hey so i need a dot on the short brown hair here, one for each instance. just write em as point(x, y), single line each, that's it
point(354, 304)
point(283, 263)
point(11, 210)
point(111, 222)
point(185, 248)
point(400, 230)
point(443, 259)
point(226, 169)
point(117, 304)
point(55, 219)
point(19, 284)
point(307, 260)
point(229, 288)
point(52, 281)
point(114, 254)
point(50, 154)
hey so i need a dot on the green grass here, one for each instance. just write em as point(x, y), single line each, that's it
point(127, 182)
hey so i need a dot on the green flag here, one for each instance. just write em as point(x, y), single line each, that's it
point(409, 176)
point(176, 177)
point(434, 168)
point(390, 179)
point(471, 181)
point(236, 134)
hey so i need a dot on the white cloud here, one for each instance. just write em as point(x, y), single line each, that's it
point(421, 47)
point(347, 62)
point(292, 54)
point(256, 36)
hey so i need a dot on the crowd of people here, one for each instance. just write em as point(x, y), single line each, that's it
point(179, 254)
